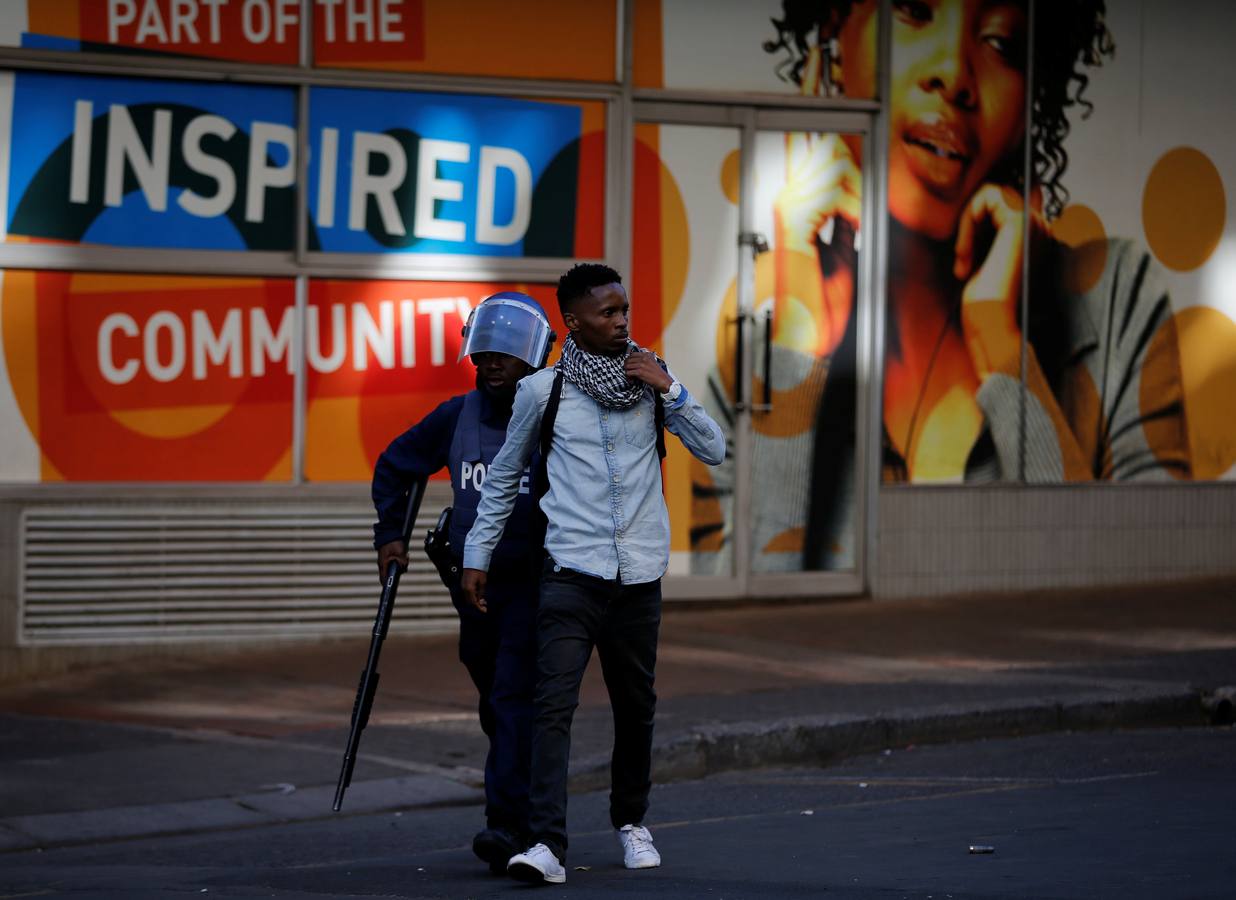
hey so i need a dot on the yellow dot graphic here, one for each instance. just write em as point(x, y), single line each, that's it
point(1080, 228)
point(729, 177)
point(1183, 208)
point(1208, 363)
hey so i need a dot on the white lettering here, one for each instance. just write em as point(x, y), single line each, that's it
point(437, 310)
point(388, 18)
point(339, 346)
point(184, 14)
point(212, 167)
point(327, 163)
point(151, 24)
point(380, 187)
point(286, 16)
point(124, 143)
point(360, 13)
point(430, 188)
point(79, 169)
point(407, 333)
point(119, 12)
point(265, 345)
point(259, 32)
point(107, 363)
point(216, 348)
point(379, 339)
point(262, 175)
point(189, 345)
point(493, 159)
point(150, 346)
point(328, 18)
point(215, 33)
point(465, 472)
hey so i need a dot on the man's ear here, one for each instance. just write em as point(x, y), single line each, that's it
point(572, 323)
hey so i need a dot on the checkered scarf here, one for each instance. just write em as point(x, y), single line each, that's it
point(601, 377)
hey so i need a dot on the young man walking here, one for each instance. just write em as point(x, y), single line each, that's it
point(607, 546)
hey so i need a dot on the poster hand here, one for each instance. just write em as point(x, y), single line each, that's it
point(990, 315)
point(822, 182)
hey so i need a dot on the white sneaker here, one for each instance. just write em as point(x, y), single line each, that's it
point(537, 864)
point(637, 849)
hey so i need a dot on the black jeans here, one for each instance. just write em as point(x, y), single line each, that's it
point(578, 612)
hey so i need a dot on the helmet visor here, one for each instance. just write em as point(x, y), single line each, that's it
point(501, 325)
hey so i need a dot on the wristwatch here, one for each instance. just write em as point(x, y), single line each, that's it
point(669, 396)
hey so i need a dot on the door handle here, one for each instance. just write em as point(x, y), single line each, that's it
point(755, 240)
point(767, 405)
point(739, 387)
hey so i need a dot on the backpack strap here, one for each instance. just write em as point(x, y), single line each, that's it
point(547, 433)
point(541, 481)
point(658, 413)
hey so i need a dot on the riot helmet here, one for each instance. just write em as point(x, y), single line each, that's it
point(512, 323)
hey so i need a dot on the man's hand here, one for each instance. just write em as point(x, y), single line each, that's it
point(395, 551)
point(643, 366)
point(472, 583)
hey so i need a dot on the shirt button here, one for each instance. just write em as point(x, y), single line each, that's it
point(615, 478)
point(610, 446)
point(604, 417)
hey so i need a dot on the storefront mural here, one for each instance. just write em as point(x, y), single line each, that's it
point(1123, 371)
point(1129, 344)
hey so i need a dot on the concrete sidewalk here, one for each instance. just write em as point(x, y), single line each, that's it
point(257, 737)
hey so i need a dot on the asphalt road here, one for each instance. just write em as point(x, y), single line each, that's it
point(1136, 814)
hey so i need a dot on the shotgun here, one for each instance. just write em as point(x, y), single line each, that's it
point(369, 677)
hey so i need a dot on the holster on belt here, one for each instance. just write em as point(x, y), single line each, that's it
point(441, 554)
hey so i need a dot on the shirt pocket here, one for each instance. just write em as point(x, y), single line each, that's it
point(638, 426)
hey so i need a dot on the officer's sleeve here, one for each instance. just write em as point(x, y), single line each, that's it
point(418, 452)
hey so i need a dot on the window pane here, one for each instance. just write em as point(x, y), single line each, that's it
point(383, 354)
point(757, 45)
point(417, 173)
point(147, 377)
point(139, 163)
point(262, 32)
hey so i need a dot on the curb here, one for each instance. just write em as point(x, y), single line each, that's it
point(817, 740)
point(218, 814)
point(708, 750)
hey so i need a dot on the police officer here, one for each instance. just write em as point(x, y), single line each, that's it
point(507, 337)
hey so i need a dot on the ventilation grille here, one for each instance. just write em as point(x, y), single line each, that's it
point(195, 571)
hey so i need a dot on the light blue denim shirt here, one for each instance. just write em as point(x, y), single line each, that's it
point(606, 511)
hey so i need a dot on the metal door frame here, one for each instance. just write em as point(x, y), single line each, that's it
point(750, 119)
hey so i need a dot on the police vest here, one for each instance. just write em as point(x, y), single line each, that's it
point(473, 449)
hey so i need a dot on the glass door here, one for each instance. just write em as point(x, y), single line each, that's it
point(747, 276)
